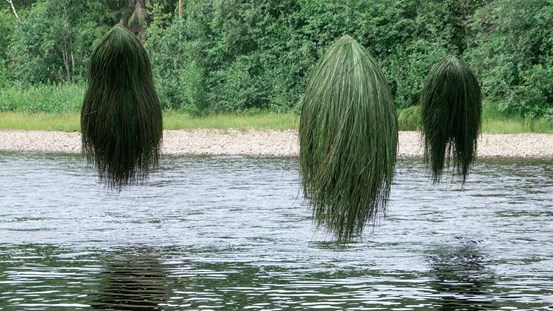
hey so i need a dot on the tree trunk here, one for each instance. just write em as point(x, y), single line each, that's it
point(67, 49)
point(137, 21)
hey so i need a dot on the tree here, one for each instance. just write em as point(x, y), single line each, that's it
point(512, 51)
point(13, 8)
point(53, 40)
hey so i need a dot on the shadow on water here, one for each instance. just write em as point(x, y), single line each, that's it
point(461, 277)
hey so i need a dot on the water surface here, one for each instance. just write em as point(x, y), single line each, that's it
point(232, 233)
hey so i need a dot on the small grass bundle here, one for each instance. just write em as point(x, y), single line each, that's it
point(348, 140)
point(451, 108)
point(409, 119)
point(121, 121)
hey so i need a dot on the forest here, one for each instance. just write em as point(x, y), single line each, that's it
point(240, 56)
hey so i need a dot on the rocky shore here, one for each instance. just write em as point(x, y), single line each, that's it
point(267, 143)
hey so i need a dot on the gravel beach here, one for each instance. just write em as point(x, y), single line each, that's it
point(268, 143)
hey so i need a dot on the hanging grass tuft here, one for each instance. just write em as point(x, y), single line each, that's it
point(451, 108)
point(348, 140)
point(121, 121)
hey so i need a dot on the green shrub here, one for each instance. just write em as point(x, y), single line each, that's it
point(52, 40)
point(409, 119)
point(512, 53)
point(406, 67)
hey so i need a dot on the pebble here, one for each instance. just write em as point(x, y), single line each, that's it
point(268, 143)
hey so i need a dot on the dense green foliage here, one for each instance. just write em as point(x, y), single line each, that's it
point(409, 119)
point(121, 121)
point(348, 140)
point(54, 98)
point(52, 41)
point(511, 51)
point(451, 110)
point(244, 55)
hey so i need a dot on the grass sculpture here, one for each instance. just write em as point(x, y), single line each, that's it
point(121, 118)
point(348, 140)
point(451, 109)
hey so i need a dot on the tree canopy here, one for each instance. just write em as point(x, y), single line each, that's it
point(244, 55)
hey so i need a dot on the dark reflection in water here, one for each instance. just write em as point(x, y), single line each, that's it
point(222, 233)
point(461, 277)
point(134, 281)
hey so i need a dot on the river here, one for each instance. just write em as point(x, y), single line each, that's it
point(234, 233)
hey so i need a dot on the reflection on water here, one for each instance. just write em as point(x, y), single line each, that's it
point(221, 233)
point(134, 282)
point(462, 277)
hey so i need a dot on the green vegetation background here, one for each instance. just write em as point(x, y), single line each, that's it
point(238, 56)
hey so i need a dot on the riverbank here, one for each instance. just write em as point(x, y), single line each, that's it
point(267, 143)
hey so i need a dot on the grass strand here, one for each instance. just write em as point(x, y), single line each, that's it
point(451, 109)
point(121, 118)
point(348, 140)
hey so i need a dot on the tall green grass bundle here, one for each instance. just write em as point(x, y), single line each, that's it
point(121, 121)
point(451, 108)
point(348, 140)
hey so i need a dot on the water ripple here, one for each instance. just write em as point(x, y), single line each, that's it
point(208, 233)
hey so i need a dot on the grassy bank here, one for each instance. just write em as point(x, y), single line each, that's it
point(69, 121)
point(56, 108)
point(493, 122)
point(42, 98)
point(171, 121)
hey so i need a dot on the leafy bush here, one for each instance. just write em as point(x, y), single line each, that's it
point(177, 63)
point(409, 119)
point(512, 52)
point(407, 67)
point(52, 41)
point(7, 20)
point(534, 96)
point(237, 55)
